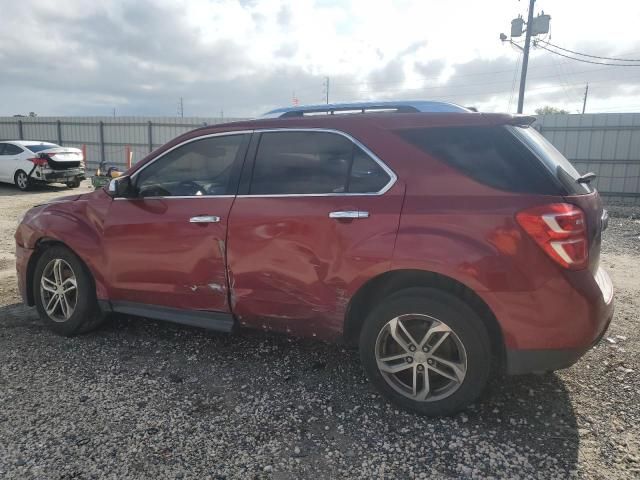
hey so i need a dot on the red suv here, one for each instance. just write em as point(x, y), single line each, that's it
point(446, 244)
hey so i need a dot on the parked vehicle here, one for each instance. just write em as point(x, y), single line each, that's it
point(447, 244)
point(27, 162)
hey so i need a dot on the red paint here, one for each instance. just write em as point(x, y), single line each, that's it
point(294, 269)
point(154, 255)
point(291, 268)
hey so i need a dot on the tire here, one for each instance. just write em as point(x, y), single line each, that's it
point(459, 338)
point(80, 313)
point(75, 183)
point(22, 180)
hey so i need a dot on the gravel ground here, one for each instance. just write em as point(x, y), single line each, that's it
point(143, 399)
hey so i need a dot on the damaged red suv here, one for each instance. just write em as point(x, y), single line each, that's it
point(446, 244)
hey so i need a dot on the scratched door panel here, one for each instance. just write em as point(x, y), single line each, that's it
point(156, 256)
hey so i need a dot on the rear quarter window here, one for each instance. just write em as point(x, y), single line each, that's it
point(491, 155)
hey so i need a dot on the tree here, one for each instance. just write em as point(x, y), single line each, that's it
point(548, 110)
point(33, 114)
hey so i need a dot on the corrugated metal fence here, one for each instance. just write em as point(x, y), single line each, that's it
point(105, 139)
point(607, 144)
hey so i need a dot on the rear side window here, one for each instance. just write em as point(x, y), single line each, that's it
point(302, 163)
point(35, 148)
point(366, 175)
point(490, 155)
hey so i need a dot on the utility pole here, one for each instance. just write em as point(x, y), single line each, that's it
point(584, 102)
point(525, 58)
point(326, 86)
point(535, 27)
point(181, 108)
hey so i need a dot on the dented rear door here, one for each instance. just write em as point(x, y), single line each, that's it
point(318, 219)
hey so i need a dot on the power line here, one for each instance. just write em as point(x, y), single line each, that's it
point(592, 56)
point(538, 45)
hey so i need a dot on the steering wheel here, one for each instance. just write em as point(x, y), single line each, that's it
point(188, 187)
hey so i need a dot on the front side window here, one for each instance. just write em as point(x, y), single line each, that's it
point(201, 167)
point(10, 149)
point(300, 163)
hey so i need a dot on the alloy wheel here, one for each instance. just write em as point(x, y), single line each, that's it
point(22, 180)
point(421, 357)
point(59, 290)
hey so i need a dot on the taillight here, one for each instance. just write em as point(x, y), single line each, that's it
point(38, 161)
point(560, 229)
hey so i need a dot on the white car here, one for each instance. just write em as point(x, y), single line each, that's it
point(26, 162)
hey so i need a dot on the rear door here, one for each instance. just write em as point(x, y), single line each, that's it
point(166, 245)
point(317, 217)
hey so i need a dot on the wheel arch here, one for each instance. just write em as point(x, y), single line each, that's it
point(41, 246)
point(392, 281)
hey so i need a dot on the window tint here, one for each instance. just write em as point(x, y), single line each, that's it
point(366, 175)
point(10, 149)
point(202, 167)
point(490, 155)
point(301, 163)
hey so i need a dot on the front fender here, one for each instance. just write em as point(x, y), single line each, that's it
point(75, 224)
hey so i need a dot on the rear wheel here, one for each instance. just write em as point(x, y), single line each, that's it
point(21, 179)
point(64, 293)
point(426, 351)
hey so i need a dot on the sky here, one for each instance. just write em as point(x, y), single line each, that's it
point(241, 58)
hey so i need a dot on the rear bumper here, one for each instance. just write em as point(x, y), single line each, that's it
point(58, 175)
point(23, 255)
point(581, 333)
point(535, 361)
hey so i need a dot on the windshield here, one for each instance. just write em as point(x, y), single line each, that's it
point(564, 171)
point(38, 147)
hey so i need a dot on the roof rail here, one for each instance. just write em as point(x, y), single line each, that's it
point(403, 106)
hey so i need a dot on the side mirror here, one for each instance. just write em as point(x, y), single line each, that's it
point(119, 187)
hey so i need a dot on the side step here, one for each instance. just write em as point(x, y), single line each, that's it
point(219, 321)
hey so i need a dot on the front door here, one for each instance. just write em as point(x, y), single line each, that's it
point(10, 160)
point(319, 218)
point(166, 245)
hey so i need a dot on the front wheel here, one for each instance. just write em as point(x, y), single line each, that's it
point(64, 293)
point(426, 351)
point(21, 179)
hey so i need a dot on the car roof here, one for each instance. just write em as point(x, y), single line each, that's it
point(387, 120)
point(371, 106)
point(26, 143)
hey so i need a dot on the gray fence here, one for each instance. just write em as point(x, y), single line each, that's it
point(607, 144)
point(104, 139)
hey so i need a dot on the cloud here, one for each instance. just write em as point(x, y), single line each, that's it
point(86, 58)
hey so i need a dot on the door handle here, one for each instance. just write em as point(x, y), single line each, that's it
point(204, 219)
point(349, 214)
